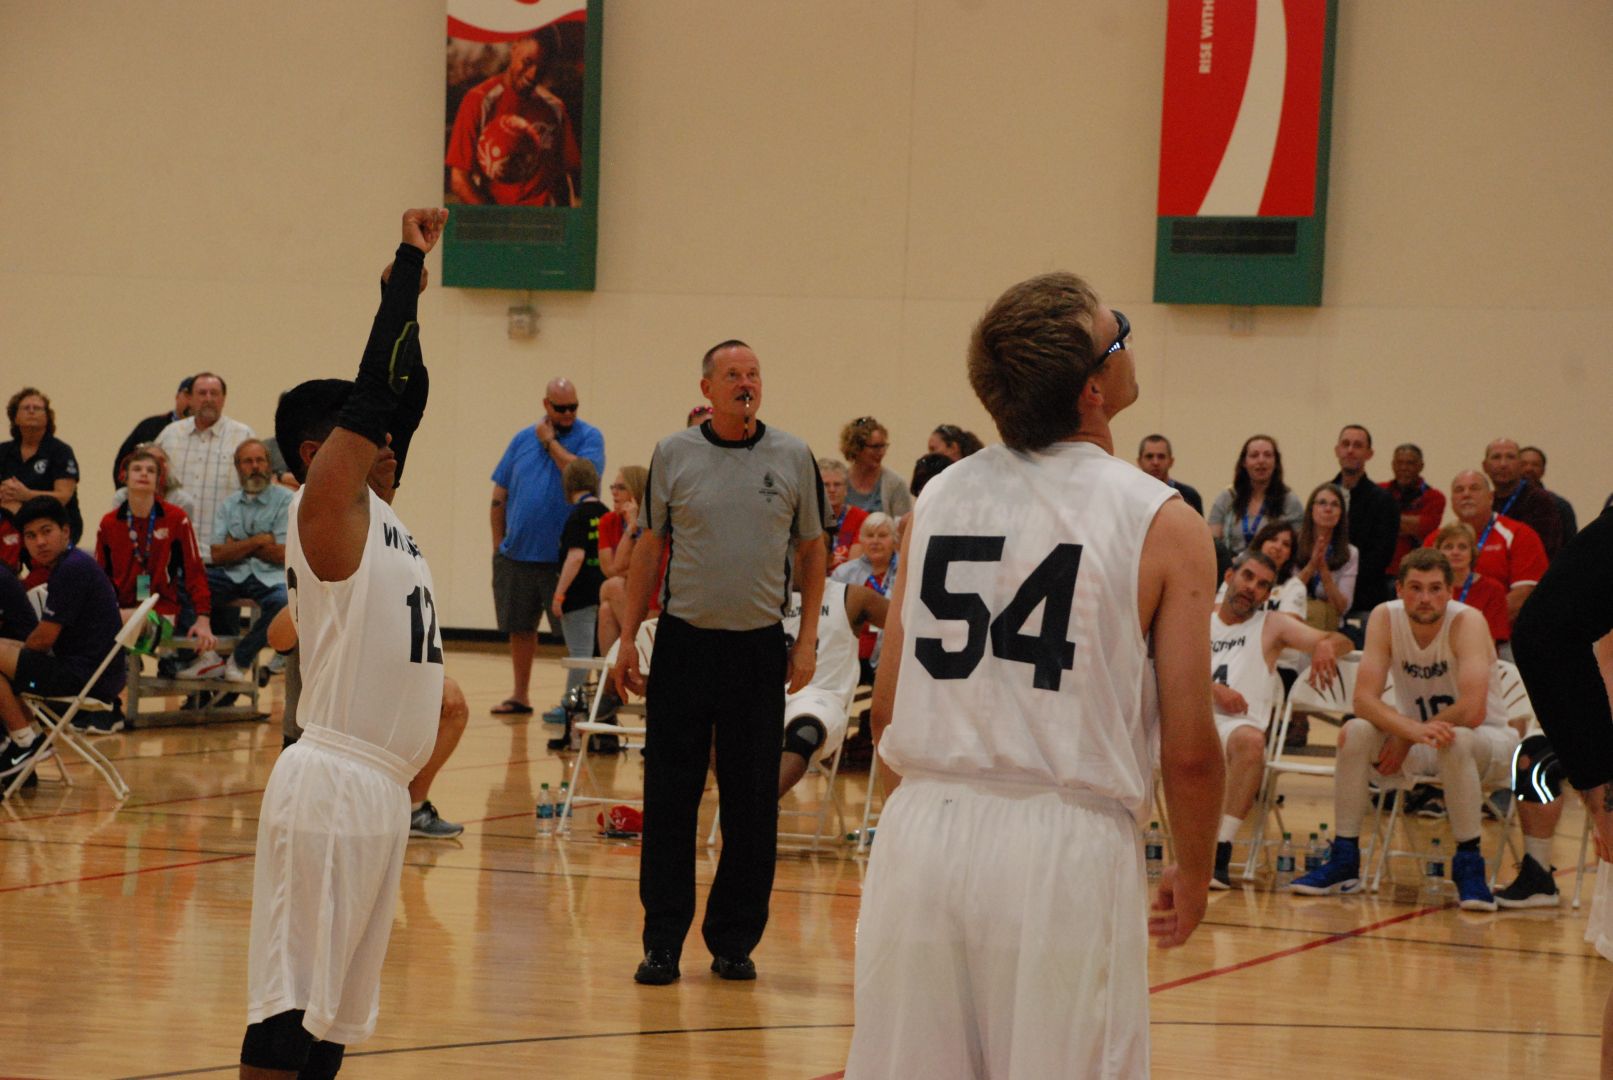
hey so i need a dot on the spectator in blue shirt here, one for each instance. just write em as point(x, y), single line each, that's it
point(248, 563)
point(78, 622)
point(529, 510)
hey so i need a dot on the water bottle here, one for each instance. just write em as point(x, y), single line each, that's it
point(1285, 863)
point(1327, 844)
point(1434, 875)
point(1315, 854)
point(564, 798)
point(1154, 851)
point(545, 811)
point(562, 819)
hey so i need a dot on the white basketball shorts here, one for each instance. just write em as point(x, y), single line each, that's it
point(827, 708)
point(1003, 933)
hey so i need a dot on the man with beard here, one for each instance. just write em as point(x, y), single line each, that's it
point(1448, 720)
point(249, 563)
point(512, 143)
point(200, 449)
point(529, 510)
point(1245, 641)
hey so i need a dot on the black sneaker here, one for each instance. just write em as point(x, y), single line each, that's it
point(1533, 887)
point(659, 968)
point(98, 723)
point(14, 756)
point(1432, 807)
point(734, 968)
point(1221, 877)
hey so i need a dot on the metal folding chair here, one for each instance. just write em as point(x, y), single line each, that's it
point(1334, 703)
point(628, 736)
point(56, 715)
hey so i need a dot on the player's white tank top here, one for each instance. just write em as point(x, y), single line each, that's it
point(1425, 679)
point(1238, 660)
point(371, 650)
point(1022, 658)
point(837, 669)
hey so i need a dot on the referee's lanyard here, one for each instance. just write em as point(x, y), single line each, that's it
point(142, 585)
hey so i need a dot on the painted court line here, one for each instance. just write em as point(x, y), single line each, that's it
point(124, 873)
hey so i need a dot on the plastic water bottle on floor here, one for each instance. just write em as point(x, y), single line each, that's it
point(1327, 843)
point(1315, 854)
point(1154, 851)
point(1285, 863)
point(545, 811)
point(1434, 874)
point(562, 819)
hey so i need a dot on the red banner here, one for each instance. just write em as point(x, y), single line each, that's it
point(1242, 110)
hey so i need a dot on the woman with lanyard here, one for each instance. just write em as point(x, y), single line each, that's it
point(1332, 561)
point(1257, 496)
point(1455, 541)
point(147, 546)
point(875, 568)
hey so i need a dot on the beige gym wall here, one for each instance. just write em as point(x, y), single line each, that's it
point(193, 184)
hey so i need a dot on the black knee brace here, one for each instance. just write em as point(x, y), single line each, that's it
point(1541, 780)
point(280, 1042)
point(803, 737)
point(324, 1061)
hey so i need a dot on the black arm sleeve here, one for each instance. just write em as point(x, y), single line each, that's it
point(1569, 611)
point(390, 354)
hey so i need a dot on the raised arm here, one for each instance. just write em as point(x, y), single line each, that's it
point(334, 515)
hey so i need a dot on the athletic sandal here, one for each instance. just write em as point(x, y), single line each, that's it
point(511, 707)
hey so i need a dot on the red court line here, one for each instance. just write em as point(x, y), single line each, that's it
point(1344, 935)
point(134, 806)
point(126, 873)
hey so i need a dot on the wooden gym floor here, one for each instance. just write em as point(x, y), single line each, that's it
point(123, 942)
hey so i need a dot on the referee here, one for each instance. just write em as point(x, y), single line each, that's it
point(735, 499)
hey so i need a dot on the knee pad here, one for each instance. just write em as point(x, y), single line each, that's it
point(803, 737)
point(1540, 781)
point(280, 1042)
point(324, 1061)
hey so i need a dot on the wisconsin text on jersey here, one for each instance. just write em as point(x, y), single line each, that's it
point(397, 538)
point(1227, 643)
point(1425, 671)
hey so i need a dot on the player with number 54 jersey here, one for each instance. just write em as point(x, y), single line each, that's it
point(1049, 627)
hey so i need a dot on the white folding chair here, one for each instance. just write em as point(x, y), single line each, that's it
point(628, 736)
point(56, 715)
point(1334, 702)
point(820, 814)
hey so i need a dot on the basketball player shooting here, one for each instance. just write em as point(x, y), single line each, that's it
point(335, 817)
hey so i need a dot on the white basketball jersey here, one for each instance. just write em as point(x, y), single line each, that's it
point(1022, 658)
point(371, 653)
point(1238, 660)
point(837, 670)
point(1425, 679)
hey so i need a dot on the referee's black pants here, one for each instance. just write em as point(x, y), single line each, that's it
point(700, 680)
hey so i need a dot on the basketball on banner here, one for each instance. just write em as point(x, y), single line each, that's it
point(520, 143)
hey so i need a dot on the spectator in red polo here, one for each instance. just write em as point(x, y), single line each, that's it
point(1422, 506)
point(1508, 550)
point(845, 522)
point(148, 547)
point(1520, 500)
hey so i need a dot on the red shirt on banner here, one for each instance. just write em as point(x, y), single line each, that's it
point(163, 546)
point(521, 145)
point(10, 544)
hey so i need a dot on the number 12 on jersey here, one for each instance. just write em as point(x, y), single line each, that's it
point(422, 640)
point(1051, 584)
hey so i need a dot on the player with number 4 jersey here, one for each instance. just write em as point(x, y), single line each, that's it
point(1003, 929)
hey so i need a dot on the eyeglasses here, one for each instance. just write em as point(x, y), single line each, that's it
point(876, 446)
point(1120, 338)
point(564, 408)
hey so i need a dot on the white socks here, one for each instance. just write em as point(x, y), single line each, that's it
point(1538, 848)
point(1229, 828)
